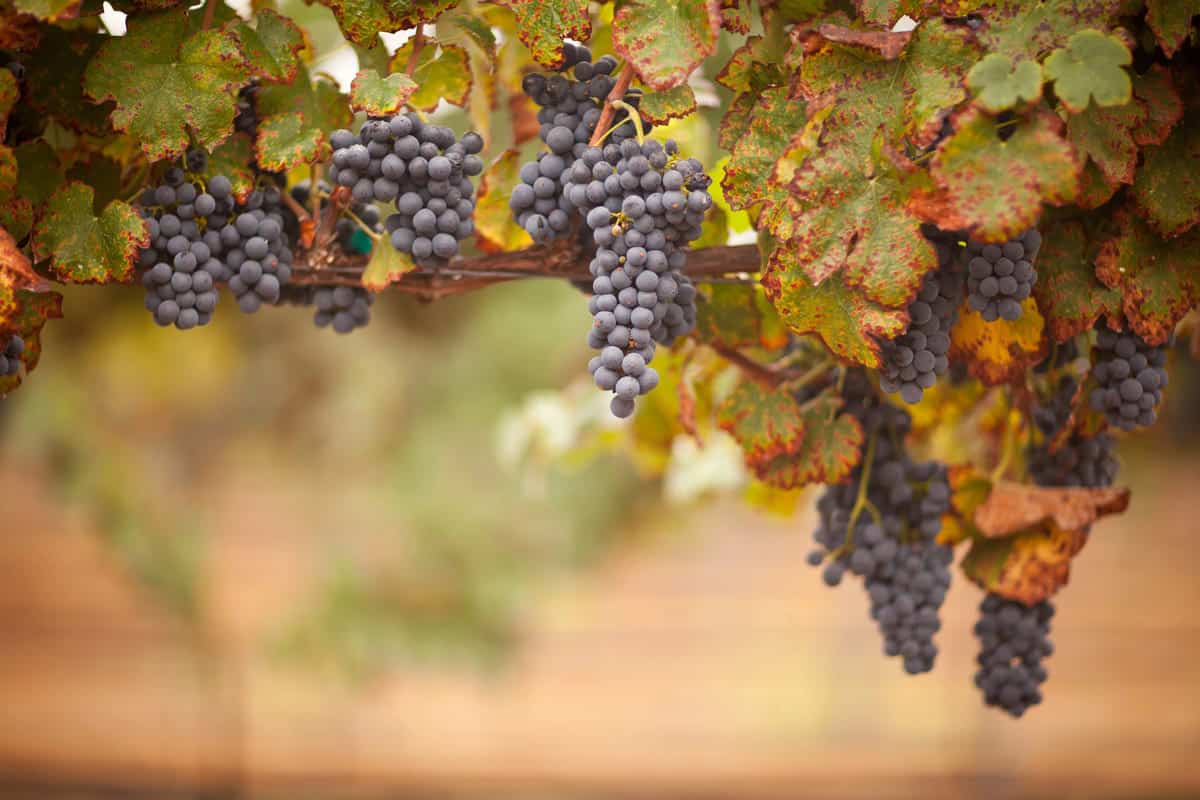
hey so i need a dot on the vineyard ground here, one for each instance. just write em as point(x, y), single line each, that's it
point(712, 665)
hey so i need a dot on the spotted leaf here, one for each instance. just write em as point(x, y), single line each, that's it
point(295, 120)
point(83, 247)
point(665, 40)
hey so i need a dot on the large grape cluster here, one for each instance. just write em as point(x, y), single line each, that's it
point(643, 204)
point(913, 360)
point(10, 356)
point(885, 531)
point(424, 169)
point(342, 308)
point(1014, 638)
point(1000, 276)
point(1130, 377)
point(569, 110)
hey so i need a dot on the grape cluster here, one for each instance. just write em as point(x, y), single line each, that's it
point(349, 236)
point(256, 254)
point(343, 308)
point(424, 169)
point(1000, 276)
point(1049, 418)
point(569, 110)
point(10, 356)
point(890, 543)
point(1130, 377)
point(1014, 638)
point(1083, 461)
point(643, 204)
point(913, 360)
point(246, 118)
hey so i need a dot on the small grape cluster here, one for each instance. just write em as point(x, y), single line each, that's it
point(643, 204)
point(342, 308)
point(1082, 461)
point(256, 253)
point(913, 360)
point(568, 113)
point(1014, 638)
point(10, 356)
point(1049, 418)
point(1130, 377)
point(885, 530)
point(424, 169)
point(1000, 276)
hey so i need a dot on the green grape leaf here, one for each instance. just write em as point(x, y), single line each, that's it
point(295, 120)
point(737, 316)
point(168, 81)
point(1032, 29)
point(543, 24)
point(848, 323)
point(380, 95)
point(788, 445)
point(16, 212)
point(1171, 22)
point(1159, 279)
point(25, 313)
point(103, 174)
point(495, 229)
point(363, 20)
point(772, 122)
point(1091, 66)
point(665, 40)
point(1164, 107)
point(994, 188)
point(84, 248)
point(658, 107)
point(464, 28)
point(756, 65)
point(49, 10)
point(10, 93)
point(39, 172)
point(999, 351)
point(440, 74)
point(386, 266)
point(234, 158)
point(999, 84)
point(272, 46)
point(1068, 293)
point(1166, 188)
point(54, 76)
point(1105, 136)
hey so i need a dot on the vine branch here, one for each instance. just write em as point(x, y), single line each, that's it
point(418, 42)
point(617, 95)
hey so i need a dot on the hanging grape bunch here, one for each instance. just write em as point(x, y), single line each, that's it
point(1014, 638)
point(1130, 376)
point(424, 170)
point(1000, 276)
point(256, 252)
point(10, 356)
point(342, 308)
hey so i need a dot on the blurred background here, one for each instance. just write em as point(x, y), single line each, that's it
point(259, 559)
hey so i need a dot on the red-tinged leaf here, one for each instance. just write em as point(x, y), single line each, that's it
point(15, 270)
point(757, 64)
point(1171, 21)
point(170, 84)
point(1012, 507)
point(968, 489)
point(1068, 292)
point(54, 75)
point(737, 16)
point(234, 159)
point(9, 94)
point(1022, 28)
point(1166, 189)
point(295, 120)
point(84, 248)
point(16, 212)
point(387, 265)
point(772, 122)
point(1159, 279)
point(363, 20)
point(380, 95)
point(659, 107)
point(1090, 68)
point(885, 44)
point(495, 228)
point(849, 324)
point(25, 313)
point(49, 10)
point(543, 24)
point(736, 121)
point(1095, 188)
point(665, 40)
point(441, 73)
point(272, 45)
point(996, 187)
point(1164, 107)
point(1104, 135)
point(1027, 568)
point(736, 316)
point(1000, 351)
point(786, 444)
point(18, 31)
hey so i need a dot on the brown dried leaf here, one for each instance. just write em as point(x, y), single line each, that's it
point(1013, 507)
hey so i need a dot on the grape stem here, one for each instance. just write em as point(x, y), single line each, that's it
point(210, 8)
point(770, 375)
point(617, 95)
point(418, 42)
point(860, 499)
point(375, 237)
point(1009, 451)
point(634, 117)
